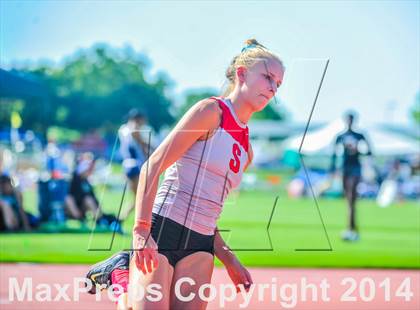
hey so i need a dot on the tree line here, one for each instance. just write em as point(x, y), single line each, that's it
point(96, 87)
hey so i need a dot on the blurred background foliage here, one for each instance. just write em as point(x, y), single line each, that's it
point(94, 88)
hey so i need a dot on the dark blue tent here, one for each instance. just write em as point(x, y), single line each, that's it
point(14, 84)
point(19, 85)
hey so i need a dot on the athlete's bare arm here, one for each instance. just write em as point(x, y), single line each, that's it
point(368, 146)
point(237, 273)
point(202, 118)
point(334, 155)
point(221, 250)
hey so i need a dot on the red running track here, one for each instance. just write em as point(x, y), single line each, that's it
point(286, 289)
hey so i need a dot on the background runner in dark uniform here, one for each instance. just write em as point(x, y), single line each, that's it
point(352, 171)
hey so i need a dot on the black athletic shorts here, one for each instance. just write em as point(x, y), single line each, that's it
point(176, 241)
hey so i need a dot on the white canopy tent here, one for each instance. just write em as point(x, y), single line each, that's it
point(321, 141)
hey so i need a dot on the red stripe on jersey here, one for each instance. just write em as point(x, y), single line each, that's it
point(229, 124)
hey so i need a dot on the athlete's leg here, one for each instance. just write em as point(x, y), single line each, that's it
point(90, 204)
point(350, 190)
point(352, 201)
point(139, 282)
point(198, 267)
point(10, 220)
point(133, 182)
point(71, 208)
point(347, 195)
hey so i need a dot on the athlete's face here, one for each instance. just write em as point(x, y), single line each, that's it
point(350, 121)
point(139, 121)
point(261, 81)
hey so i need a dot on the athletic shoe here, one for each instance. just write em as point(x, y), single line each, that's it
point(350, 235)
point(100, 273)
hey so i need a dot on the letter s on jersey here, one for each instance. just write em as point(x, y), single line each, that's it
point(235, 163)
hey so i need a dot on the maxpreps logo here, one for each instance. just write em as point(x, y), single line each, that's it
point(42, 292)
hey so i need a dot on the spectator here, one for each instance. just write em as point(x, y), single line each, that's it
point(134, 150)
point(81, 191)
point(13, 216)
point(82, 198)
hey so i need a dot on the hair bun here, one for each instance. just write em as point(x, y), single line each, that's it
point(251, 42)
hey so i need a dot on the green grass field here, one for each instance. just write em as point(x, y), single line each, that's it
point(389, 237)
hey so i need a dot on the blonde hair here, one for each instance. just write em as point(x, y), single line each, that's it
point(250, 54)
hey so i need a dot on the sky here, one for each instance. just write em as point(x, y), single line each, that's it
point(373, 47)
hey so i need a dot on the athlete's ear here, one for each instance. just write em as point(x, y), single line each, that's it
point(241, 73)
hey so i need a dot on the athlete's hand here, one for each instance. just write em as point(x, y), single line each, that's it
point(145, 250)
point(239, 275)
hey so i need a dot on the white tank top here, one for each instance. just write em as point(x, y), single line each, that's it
point(130, 150)
point(195, 186)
